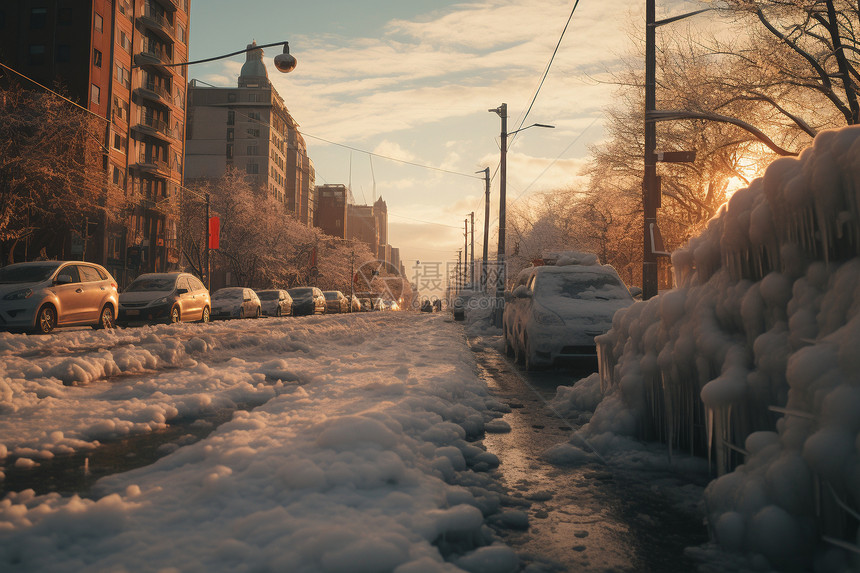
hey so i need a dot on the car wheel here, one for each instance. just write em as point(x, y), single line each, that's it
point(206, 315)
point(242, 312)
point(259, 313)
point(46, 320)
point(106, 318)
point(278, 312)
point(174, 315)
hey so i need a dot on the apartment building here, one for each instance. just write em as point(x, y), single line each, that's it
point(113, 57)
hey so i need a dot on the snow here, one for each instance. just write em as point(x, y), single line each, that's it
point(357, 452)
point(752, 361)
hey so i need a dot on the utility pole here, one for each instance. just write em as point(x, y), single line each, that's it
point(457, 275)
point(472, 265)
point(502, 112)
point(649, 193)
point(486, 226)
point(465, 251)
point(206, 242)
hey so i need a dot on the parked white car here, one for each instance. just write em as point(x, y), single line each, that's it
point(276, 302)
point(554, 312)
point(236, 302)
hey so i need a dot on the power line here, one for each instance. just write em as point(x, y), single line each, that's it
point(548, 66)
point(390, 214)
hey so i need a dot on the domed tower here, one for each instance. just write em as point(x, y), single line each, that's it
point(254, 73)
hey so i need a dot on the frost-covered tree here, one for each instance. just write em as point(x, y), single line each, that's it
point(51, 176)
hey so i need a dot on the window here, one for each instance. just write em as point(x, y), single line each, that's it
point(229, 151)
point(125, 42)
point(64, 53)
point(231, 117)
point(252, 150)
point(95, 93)
point(120, 108)
point(37, 54)
point(254, 132)
point(253, 168)
point(38, 17)
point(229, 134)
point(98, 22)
point(97, 58)
point(253, 97)
point(231, 97)
point(254, 115)
point(123, 75)
point(181, 32)
point(118, 142)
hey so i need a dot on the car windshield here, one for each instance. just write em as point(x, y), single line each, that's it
point(268, 295)
point(26, 273)
point(301, 293)
point(581, 285)
point(151, 284)
point(227, 294)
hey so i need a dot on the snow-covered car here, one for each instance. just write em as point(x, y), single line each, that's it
point(276, 302)
point(554, 312)
point(236, 302)
point(335, 302)
point(307, 300)
point(355, 304)
point(164, 297)
point(41, 295)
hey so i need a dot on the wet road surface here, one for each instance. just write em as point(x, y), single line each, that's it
point(592, 518)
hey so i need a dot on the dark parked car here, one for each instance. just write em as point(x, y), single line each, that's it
point(236, 302)
point(164, 297)
point(276, 302)
point(335, 302)
point(307, 300)
point(42, 295)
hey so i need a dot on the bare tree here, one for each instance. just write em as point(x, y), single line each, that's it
point(51, 176)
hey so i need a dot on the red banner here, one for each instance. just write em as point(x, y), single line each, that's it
point(214, 232)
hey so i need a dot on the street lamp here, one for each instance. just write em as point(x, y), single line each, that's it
point(284, 62)
point(502, 112)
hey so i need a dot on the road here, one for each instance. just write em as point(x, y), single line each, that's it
point(593, 518)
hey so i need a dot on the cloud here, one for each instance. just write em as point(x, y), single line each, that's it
point(393, 149)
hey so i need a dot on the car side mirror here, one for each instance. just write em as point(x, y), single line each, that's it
point(63, 280)
point(248, 299)
point(635, 291)
point(181, 291)
point(522, 291)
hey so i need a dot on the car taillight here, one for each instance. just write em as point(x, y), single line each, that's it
point(113, 285)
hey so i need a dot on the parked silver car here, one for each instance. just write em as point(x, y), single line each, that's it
point(553, 313)
point(276, 302)
point(42, 295)
point(236, 302)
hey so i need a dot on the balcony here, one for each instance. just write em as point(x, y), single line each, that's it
point(149, 164)
point(155, 20)
point(154, 91)
point(169, 5)
point(149, 124)
point(153, 53)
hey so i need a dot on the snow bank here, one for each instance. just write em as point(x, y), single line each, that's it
point(753, 362)
point(358, 460)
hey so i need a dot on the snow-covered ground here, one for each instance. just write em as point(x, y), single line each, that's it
point(356, 459)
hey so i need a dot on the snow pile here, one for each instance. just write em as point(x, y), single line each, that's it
point(360, 457)
point(753, 362)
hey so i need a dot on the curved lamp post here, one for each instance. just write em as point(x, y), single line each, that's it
point(284, 62)
point(502, 112)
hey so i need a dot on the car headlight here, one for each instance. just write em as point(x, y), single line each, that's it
point(547, 317)
point(162, 300)
point(19, 294)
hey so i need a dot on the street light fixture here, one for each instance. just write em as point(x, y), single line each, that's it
point(502, 112)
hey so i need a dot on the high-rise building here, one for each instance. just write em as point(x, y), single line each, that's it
point(109, 56)
point(249, 127)
point(331, 210)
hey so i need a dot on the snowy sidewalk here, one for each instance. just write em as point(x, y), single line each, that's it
point(351, 464)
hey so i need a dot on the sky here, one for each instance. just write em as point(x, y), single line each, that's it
point(415, 80)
